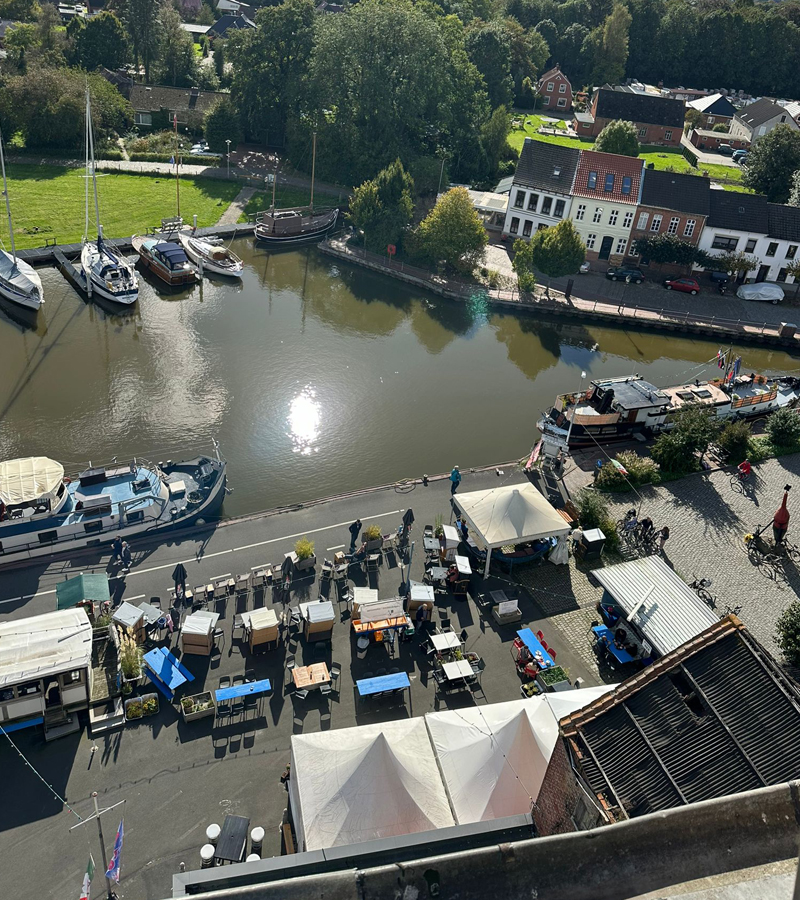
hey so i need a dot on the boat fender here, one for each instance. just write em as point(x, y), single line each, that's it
point(67, 480)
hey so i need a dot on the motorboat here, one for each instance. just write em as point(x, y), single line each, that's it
point(43, 511)
point(211, 255)
point(165, 259)
point(19, 282)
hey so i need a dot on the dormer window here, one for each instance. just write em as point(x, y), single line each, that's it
point(609, 183)
point(556, 172)
point(591, 183)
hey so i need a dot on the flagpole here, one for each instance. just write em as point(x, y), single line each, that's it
point(97, 815)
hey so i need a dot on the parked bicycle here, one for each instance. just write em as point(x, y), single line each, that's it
point(701, 585)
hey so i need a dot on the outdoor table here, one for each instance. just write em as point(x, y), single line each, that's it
point(421, 593)
point(437, 573)
point(461, 668)
point(447, 641)
point(498, 597)
point(532, 643)
point(310, 677)
point(242, 690)
point(127, 615)
point(431, 544)
point(151, 613)
point(606, 636)
point(463, 566)
point(317, 611)
point(360, 627)
point(165, 671)
point(264, 573)
point(382, 684)
point(362, 596)
point(233, 839)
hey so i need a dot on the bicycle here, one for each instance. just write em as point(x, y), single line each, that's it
point(739, 481)
point(699, 585)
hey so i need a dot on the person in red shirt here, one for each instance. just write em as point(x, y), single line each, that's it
point(745, 469)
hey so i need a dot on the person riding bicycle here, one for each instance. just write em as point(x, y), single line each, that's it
point(744, 470)
point(631, 521)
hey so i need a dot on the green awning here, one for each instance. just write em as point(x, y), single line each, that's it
point(83, 587)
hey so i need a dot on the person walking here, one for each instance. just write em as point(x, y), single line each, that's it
point(126, 554)
point(664, 537)
point(355, 530)
point(455, 480)
point(116, 546)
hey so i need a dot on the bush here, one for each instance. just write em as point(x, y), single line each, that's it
point(673, 454)
point(788, 637)
point(593, 512)
point(304, 548)
point(372, 533)
point(734, 439)
point(641, 470)
point(186, 159)
point(783, 428)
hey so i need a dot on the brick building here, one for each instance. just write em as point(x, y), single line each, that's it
point(658, 120)
point(555, 90)
point(715, 109)
point(704, 139)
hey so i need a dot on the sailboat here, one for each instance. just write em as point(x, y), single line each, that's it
point(19, 283)
point(107, 272)
point(287, 227)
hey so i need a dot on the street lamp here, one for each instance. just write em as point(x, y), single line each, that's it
point(228, 142)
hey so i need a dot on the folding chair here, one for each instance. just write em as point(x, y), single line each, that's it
point(336, 671)
point(552, 654)
point(327, 569)
point(325, 689)
point(373, 562)
point(544, 644)
point(238, 625)
point(540, 636)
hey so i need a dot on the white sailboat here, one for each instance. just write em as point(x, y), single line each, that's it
point(19, 282)
point(107, 272)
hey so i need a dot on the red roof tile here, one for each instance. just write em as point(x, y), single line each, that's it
point(608, 164)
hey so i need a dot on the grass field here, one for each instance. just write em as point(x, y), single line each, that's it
point(48, 202)
point(284, 197)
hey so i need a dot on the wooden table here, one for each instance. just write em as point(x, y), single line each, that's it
point(310, 677)
point(232, 840)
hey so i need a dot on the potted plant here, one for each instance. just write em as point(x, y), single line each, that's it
point(149, 704)
point(134, 709)
point(553, 679)
point(304, 549)
point(373, 537)
point(438, 527)
point(198, 706)
point(130, 660)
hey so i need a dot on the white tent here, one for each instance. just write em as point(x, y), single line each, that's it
point(363, 783)
point(510, 515)
point(493, 758)
point(26, 480)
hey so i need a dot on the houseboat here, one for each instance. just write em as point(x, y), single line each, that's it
point(165, 259)
point(43, 511)
point(615, 409)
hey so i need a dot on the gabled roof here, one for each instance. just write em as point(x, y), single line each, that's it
point(793, 109)
point(714, 105)
point(759, 112)
point(684, 193)
point(784, 222)
point(645, 108)
point(740, 212)
point(548, 167)
point(714, 717)
point(603, 164)
point(228, 23)
point(150, 98)
point(552, 73)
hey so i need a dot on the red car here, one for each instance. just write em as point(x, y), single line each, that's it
point(687, 285)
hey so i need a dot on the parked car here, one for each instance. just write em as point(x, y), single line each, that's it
point(202, 147)
point(626, 273)
point(719, 277)
point(725, 149)
point(764, 292)
point(740, 156)
point(585, 267)
point(687, 285)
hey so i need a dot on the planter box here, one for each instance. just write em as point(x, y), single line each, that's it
point(140, 701)
point(303, 564)
point(372, 546)
point(206, 696)
point(560, 685)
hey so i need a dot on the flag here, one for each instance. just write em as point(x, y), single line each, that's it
point(87, 879)
point(112, 871)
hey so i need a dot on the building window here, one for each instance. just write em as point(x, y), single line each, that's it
point(612, 217)
point(562, 89)
point(609, 183)
point(6, 694)
point(642, 223)
point(551, 86)
point(655, 225)
point(519, 201)
point(621, 245)
point(547, 205)
point(581, 212)
point(533, 202)
point(558, 212)
point(672, 228)
point(141, 118)
point(73, 677)
point(591, 182)
point(710, 120)
point(750, 245)
point(514, 227)
point(585, 125)
point(688, 231)
point(547, 101)
point(721, 242)
point(626, 222)
point(642, 132)
point(791, 250)
point(562, 101)
point(634, 251)
point(668, 135)
point(598, 214)
point(781, 275)
point(626, 185)
point(526, 228)
point(26, 690)
point(590, 239)
point(772, 249)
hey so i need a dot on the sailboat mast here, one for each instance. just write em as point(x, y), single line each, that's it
point(313, 170)
point(274, 185)
point(94, 173)
point(177, 165)
point(8, 204)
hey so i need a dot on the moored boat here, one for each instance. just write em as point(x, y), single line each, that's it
point(166, 259)
point(212, 255)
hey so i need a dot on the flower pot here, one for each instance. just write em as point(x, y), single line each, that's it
point(372, 546)
point(206, 699)
point(308, 563)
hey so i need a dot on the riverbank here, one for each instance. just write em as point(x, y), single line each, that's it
point(558, 305)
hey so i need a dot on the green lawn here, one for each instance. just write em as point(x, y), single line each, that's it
point(284, 197)
point(51, 199)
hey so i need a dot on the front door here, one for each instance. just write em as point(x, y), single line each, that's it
point(605, 248)
point(52, 694)
point(762, 273)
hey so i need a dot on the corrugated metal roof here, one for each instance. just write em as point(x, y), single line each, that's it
point(671, 613)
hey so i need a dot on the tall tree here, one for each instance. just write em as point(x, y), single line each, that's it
point(177, 65)
point(100, 41)
point(453, 233)
point(142, 23)
point(489, 47)
point(612, 44)
point(558, 251)
point(222, 125)
point(270, 63)
point(382, 208)
point(772, 162)
point(529, 53)
point(794, 193)
point(494, 138)
point(618, 137)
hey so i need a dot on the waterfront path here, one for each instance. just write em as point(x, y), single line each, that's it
point(234, 211)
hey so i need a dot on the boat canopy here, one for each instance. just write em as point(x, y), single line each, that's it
point(24, 480)
point(12, 274)
point(171, 253)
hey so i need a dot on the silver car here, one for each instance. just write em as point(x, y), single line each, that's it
point(766, 293)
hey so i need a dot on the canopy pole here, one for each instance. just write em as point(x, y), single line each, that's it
point(488, 560)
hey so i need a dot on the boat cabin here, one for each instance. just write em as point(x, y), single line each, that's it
point(31, 487)
point(170, 255)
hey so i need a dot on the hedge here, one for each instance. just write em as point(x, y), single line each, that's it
point(203, 159)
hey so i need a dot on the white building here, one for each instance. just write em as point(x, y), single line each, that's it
point(759, 118)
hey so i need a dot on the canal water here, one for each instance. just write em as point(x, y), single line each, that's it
point(315, 377)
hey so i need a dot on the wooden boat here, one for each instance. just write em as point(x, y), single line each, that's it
point(211, 255)
point(165, 259)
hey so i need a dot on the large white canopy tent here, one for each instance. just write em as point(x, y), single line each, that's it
point(511, 514)
point(364, 783)
point(493, 758)
point(26, 480)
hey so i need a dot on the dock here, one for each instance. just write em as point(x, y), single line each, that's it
point(76, 278)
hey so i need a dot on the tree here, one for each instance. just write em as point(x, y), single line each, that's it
point(772, 162)
point(205, 16)
point(794, 193)
point(522, 264)
point(19, 10)
point(783, 428)
point(693, 429)
point(558, 251)
point(219, 58)
point(732, 263)
point(793, 269)
point(100, 41)
point(383, 208)
point(178, 64)
point(612, 44)
point(693, 118)
point(669, 249)
point(221, 125)
point(788, 628)
point(721, 127)
point(529, 53)
point(618, 137)
point(488, 45)
point(494, 138)
point(452, 232)
point(142, 23)
point(734, 439)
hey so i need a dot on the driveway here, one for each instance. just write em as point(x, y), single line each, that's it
point(709, 158)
